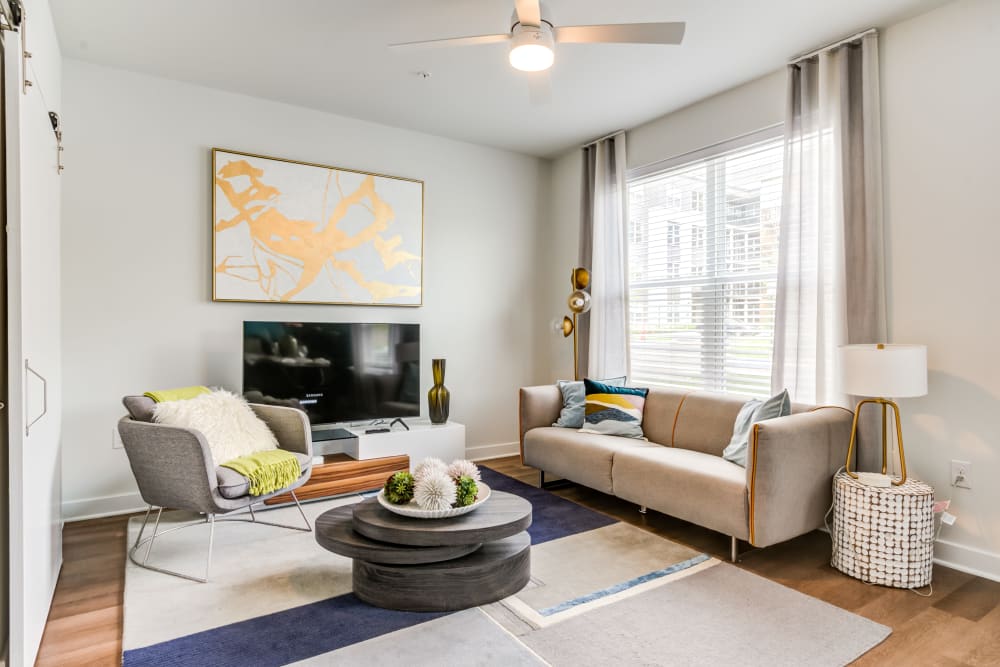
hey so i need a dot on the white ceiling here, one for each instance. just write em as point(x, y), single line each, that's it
point(331, 55)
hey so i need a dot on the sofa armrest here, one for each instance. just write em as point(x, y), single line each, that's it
point(289, 425)
point(790, 472)
point(172, 466)
point(538, 406)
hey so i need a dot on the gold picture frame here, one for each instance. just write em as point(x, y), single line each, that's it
point(286, 231)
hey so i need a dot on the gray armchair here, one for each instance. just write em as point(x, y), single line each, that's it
point(173, 469)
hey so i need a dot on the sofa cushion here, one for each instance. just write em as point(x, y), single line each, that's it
point(658, 413)
point(705, 421)
point(690, 485)
point(613, 410)
point(234, 485)
point(584, 458)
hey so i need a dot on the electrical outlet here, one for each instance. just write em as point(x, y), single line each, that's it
point(961, 474)
point(116, 438)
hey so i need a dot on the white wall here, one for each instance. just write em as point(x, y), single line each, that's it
point(940, 93)
point(940, 98)
point(34, 331)
point(759, 103)
point(136, 258)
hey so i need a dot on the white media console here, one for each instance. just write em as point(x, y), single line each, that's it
point(444, 441)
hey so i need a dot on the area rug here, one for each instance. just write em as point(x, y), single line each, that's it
point(602, 592)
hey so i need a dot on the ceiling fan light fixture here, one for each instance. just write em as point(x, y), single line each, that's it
point(531, 48)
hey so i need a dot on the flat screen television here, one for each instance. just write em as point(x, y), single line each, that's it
point(336, 372)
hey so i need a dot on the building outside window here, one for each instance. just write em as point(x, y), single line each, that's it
point(703, 244)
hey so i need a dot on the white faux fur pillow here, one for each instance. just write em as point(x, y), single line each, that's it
point(226, 420)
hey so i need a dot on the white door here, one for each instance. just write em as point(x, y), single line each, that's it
point(34, 389)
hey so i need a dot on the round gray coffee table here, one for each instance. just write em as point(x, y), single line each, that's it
point(432, 564)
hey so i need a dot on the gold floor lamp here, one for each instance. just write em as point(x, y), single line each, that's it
point(882, 370)
point(579, 303)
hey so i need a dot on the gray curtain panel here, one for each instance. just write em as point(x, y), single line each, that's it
point(831, 267)
point(603, 334)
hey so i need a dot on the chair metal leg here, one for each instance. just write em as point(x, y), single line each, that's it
point(145, 520)
point(541, 479)
point(210, 519)
point(158, 533)
point(642, 509)
point(254, 518)
point(211, 543)
point(301, 511)
point(734, 551)
point(156, 526)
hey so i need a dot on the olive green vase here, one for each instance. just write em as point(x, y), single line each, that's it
point(438, 397)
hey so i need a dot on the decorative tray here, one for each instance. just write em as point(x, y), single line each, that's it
point(411, 509)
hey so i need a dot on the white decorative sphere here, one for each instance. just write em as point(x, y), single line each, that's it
point(435, 491)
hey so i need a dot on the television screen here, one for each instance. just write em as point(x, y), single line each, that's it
point(335, 372)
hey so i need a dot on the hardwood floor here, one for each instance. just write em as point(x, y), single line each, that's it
point(958, 625)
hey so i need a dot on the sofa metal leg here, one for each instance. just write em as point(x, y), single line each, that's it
point(541, 479)
point(642, 509)
point(734, 551)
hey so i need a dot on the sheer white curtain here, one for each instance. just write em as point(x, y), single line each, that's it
point(831, 286)
point(602, 250)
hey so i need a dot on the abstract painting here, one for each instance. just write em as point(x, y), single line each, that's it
point(295, 232)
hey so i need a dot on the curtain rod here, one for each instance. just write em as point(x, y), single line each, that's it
point(606, 136)
point(846, 40)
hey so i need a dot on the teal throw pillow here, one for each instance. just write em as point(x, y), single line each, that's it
point(754, 411)
point(613, 410)
point(574, 399)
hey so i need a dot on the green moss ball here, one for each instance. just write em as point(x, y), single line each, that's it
point(399, 488)
point(467, 490)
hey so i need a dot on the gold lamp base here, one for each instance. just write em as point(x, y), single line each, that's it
point(579, 303)
point(886, 404)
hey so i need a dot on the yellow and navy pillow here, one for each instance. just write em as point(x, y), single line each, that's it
point(613, 410)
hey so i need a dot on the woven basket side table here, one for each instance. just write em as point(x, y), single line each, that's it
point(883, 536)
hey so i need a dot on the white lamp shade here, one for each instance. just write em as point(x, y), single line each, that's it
point(890, 371)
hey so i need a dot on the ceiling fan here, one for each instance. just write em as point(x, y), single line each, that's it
point(533, 36)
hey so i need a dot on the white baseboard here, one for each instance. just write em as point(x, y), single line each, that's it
point(95, 508)
point(486, 452)
point(971, 560)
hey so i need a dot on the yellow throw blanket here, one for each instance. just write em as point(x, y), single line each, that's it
point(268, 471)
point(180, 394)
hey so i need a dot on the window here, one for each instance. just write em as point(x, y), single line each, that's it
point(703, 258)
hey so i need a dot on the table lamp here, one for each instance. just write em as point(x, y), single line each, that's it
point(879, 371)
point(579, 303)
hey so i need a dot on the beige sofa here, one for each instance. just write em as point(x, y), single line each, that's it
point(783, 492)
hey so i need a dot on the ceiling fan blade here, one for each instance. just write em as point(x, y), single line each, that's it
point(529, 12)
point(539, 87)
point(474, 40)
point(622, 33)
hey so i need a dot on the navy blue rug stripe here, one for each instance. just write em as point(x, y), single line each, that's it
point(552, 517)
point(280, 638)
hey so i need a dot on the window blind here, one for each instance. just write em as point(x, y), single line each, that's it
point(703, 259)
